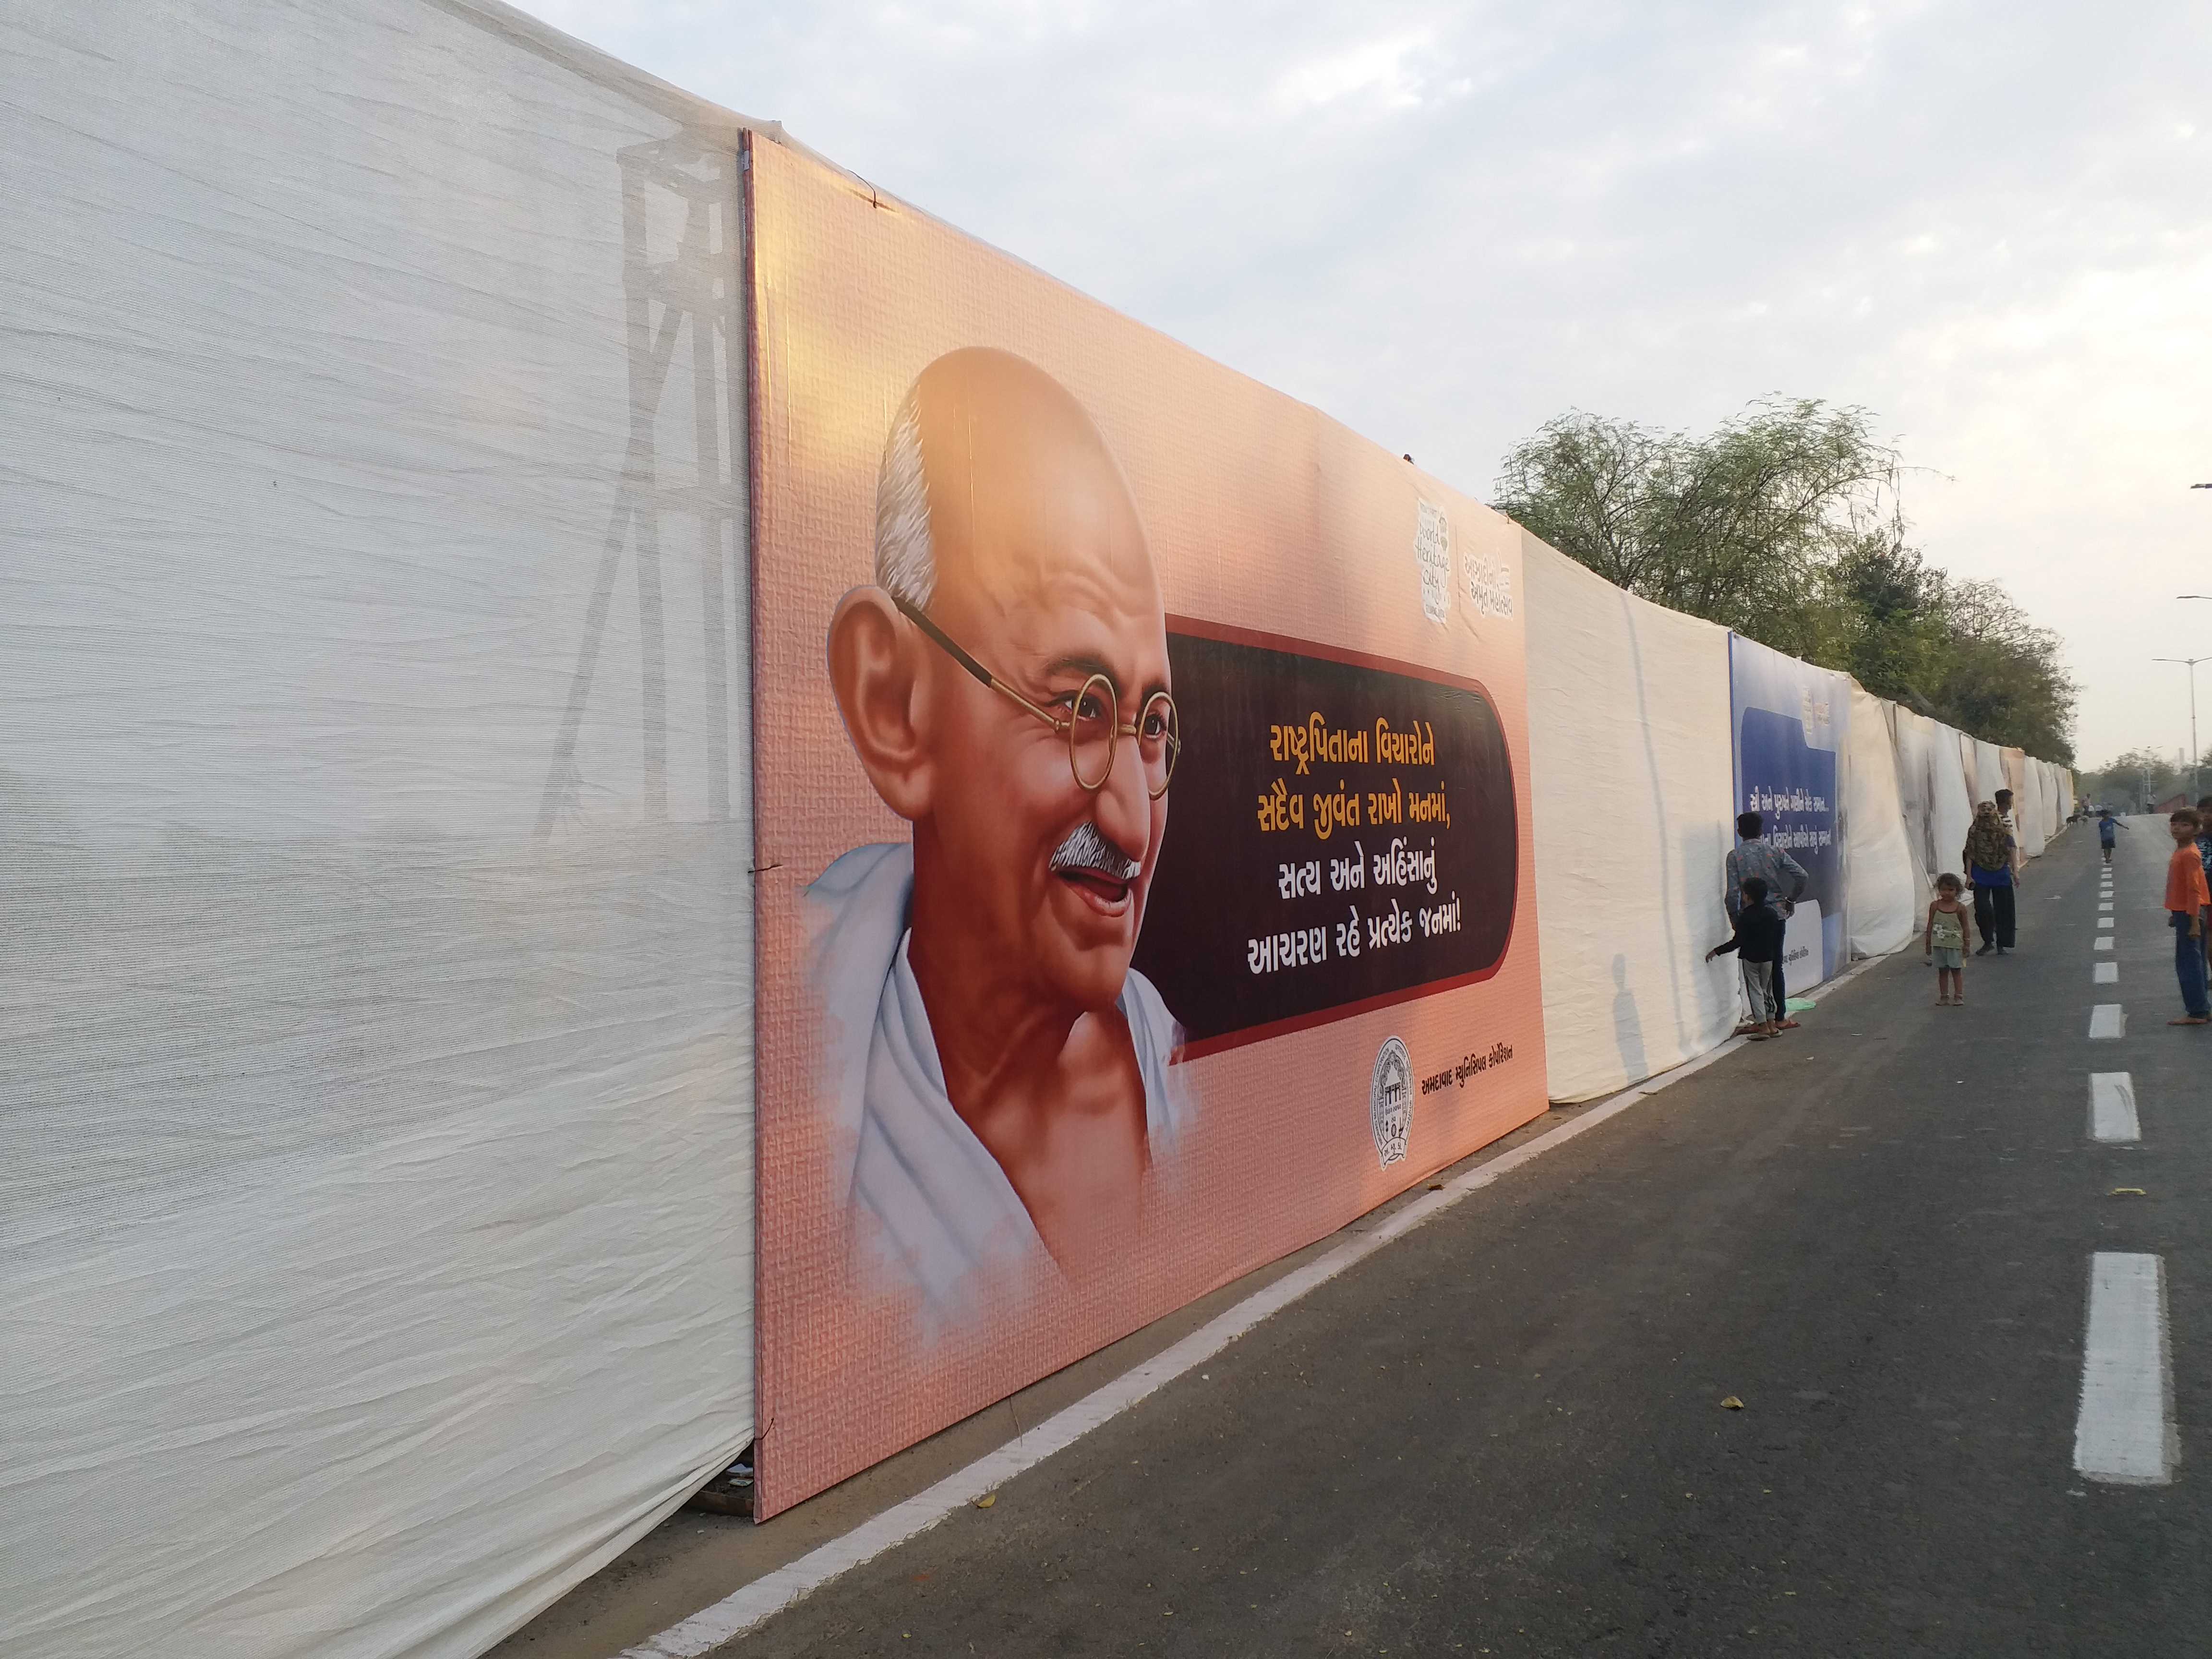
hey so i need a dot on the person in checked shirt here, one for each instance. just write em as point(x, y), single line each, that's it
point(1757, 858)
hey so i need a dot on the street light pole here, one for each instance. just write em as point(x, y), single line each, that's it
point(2195, 755)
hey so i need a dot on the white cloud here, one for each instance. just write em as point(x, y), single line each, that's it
point(1987, 219)
point(1376, 69)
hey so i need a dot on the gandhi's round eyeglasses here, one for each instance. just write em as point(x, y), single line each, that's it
point(1090, 718)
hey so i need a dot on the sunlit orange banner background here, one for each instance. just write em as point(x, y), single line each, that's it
point(1265, 520)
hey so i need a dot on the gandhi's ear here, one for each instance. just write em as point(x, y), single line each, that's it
point(875, 668)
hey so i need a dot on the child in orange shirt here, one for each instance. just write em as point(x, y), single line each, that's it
point(2185, 900)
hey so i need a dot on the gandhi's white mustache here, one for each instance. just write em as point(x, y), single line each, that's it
point(1086, 849)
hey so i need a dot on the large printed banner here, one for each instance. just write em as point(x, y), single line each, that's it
point(1146, 885)
point(1792, 722)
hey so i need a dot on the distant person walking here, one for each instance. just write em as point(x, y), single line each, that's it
point(2108, 831)
point(1988, 856)
point(1783, 879)
point(1756, 941)
point(1943, 942)
point(2186, 900)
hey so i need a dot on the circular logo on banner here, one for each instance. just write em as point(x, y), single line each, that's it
point(1390, 1100)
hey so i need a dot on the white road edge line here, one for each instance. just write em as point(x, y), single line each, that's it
point(2112, 1107)
point(768, 1595)
point(2108, 1022)
point(2107, 973)
point(2124, 1435)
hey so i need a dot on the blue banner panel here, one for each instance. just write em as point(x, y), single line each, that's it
point(1790, 722)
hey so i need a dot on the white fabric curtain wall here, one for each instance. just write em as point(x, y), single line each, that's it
point(1954, 800)
point(1989, 770)
point(1628, 729)
point(2031, 810)
point(375, 1123)
point(1880, 872)
point(1914, 738)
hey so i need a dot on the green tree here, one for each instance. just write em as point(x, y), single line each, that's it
point(1784, 523)
point(1739, 526)
point(1999, 676)
point(2133, 781)
point(1893, 618)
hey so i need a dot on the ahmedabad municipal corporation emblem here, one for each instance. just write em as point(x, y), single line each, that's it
point(1390, 1100)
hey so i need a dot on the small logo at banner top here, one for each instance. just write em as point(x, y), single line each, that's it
point(1489, 586)
point(1432, 552)
point(1390, 1100)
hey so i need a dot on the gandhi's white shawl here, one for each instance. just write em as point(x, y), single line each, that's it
point(928, 1205)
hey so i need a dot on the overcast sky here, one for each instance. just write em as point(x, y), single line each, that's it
point(1991, 223)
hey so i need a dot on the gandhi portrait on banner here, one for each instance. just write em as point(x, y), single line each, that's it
point(1002, 1075)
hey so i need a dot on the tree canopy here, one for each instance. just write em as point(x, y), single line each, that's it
point(2136, 781)
point(1785, 524)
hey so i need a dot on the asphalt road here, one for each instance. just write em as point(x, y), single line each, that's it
point(1506, 1435)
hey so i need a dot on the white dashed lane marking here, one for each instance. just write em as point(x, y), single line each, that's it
point(2104, 921)
point(2112, 1107)
point(2107, 1021)
point(2108, 973)
point(2125, 1433)
point(2103, 944)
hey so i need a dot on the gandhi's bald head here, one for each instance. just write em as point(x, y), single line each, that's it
point(992, 461)
point(1001, 513)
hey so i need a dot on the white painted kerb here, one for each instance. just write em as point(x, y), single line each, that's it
point(2112, 1107)
point(2124, 1434)
point(771, 1594)
point(739, 1612)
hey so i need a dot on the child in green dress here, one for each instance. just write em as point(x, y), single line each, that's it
point(1944, 942)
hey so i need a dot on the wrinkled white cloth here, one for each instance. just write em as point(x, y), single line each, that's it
point(928, 1205)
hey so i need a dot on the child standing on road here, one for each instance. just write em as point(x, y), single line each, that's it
point(1943, 941)
point(1757, 942)
point(2185, 900)
point(2108, 831)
